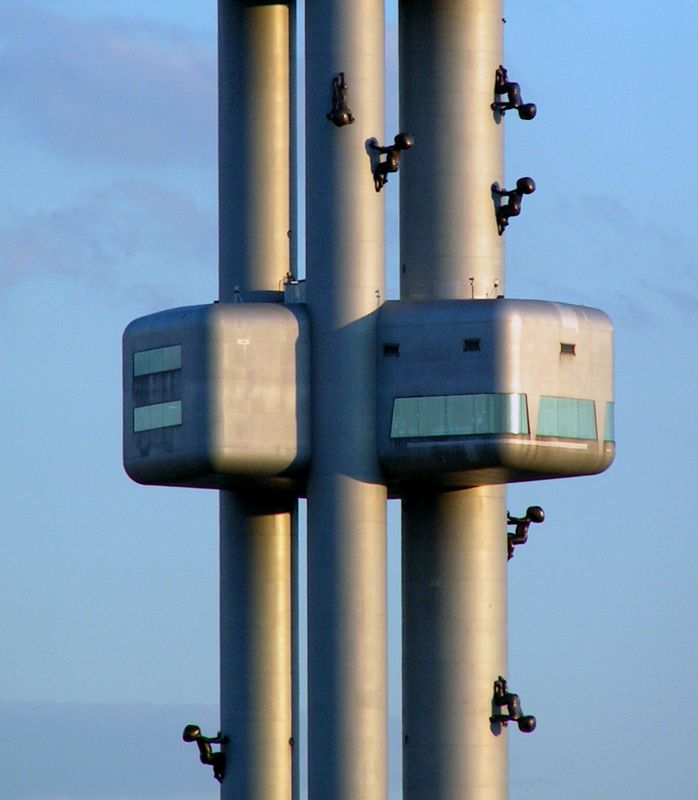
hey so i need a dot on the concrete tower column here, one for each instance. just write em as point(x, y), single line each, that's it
point(449, 247)
point(345, 253)
point(454, 643)
point(253, 146)
point(454, 543)
point(256, 613)
point(257, 531)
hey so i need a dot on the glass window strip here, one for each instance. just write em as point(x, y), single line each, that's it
point(459, 415)
point(158, 415)
point(567, 418)
point(609, 428)
point(160, 359)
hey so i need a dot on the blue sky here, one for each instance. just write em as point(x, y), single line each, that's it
point(108, 212)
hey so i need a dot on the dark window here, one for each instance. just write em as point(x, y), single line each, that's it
point(158, 387)
point(470, 345)
point(391, 349)
point(568, 349)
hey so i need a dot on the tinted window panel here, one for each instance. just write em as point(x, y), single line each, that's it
point(161, 359)
point(459, 415)
point(567, 418)
point(159, 415)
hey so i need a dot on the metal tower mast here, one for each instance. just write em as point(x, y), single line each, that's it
point(255, 526)
point(321, 389)
point(345, 247)
point(454, 581)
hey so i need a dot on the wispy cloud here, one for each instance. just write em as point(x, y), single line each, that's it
point(109, 235)
point(645, 265)
point(686, 302)
point(111, 90)
point(630, 225)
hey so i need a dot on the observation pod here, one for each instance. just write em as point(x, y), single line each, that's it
point(493, 391)
point(217, 397)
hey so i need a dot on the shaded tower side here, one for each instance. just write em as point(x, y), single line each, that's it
point(454, 542)
point(345, 251)
point(255, 528)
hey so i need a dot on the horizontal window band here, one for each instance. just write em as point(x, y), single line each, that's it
point(160, 359)
point(159, 415)
point(567, 418)
point(459, 415)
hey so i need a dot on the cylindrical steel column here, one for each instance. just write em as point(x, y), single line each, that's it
point(454, 543)
point(256, 530)
point(454, 610)
point(449, 52)
point(253, 146)
point(255, 630)
point(345, 256)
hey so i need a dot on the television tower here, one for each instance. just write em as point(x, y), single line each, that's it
point(320, 388)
